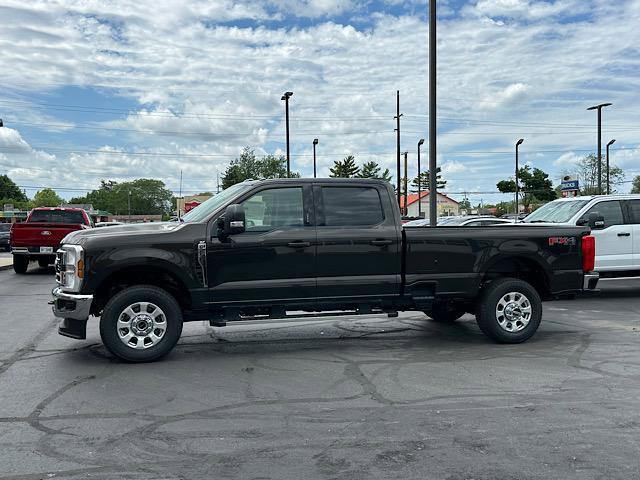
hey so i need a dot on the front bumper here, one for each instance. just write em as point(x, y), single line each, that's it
point(71, 305)
point(590, 281)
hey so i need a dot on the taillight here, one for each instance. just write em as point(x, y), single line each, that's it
point(588, 253)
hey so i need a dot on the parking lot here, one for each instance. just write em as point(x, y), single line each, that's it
point(371, 397)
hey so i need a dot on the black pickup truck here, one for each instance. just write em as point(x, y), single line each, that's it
point(261, 249)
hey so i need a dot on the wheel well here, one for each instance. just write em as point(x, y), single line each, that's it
point(522, 269)
point(140, 275)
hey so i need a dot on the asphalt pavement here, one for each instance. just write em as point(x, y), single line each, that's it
point(343, 398)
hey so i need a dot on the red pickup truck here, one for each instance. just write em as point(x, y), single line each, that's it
point(40, 235)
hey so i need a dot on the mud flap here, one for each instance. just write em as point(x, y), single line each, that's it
point(73, 328)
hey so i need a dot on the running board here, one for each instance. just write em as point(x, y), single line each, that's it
point(233, 316)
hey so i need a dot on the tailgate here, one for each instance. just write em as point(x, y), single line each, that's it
point(40, 234)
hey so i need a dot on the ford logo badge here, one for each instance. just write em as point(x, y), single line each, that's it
point(46, 232)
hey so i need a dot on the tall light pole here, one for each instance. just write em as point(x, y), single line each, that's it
point(518, 143)
point(286, 97)
point(420, 143)
point(611, 142)
point(397, 130)
point(599, 108)
point(315, 142)
point(406, 189)
point(129, 202)
point(433, 187)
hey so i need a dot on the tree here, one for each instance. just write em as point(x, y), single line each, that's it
point(148, 197)
point(372, 170)
point(9, 190)
point(465, 204)
point(248, 167)
point(535, 186)
point(46, 198)
point(425, 182)
point(636, 185)
point(588, 175)
point(345, 168)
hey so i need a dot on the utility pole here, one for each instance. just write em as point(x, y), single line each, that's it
point(518, 143)
point(406, 189)
point(129, 202)
point(420, 142)
point(599, 107)
point(180, 196)
point(608, 184)
point(433, 187)
point(286, 97)
point(397, 130)
point(218, 181)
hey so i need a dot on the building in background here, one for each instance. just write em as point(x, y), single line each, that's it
point(96, 215)
point(189, 202)
point(446, 206)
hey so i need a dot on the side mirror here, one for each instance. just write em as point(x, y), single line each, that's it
point(233, 221)
point(596, 221)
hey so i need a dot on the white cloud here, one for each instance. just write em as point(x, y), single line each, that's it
point(507, 69)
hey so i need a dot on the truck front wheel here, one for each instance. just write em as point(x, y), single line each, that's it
point(20, 263)
point(509, 311)
point(141, 324)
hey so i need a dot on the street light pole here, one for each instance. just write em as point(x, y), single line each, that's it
point(315, 142)
point(286, 97)
point(518, 143)
point(397, 130)
point(420, 143)
point(608, 184)
point(599, 108)
point(433, 187)
point(129, 202)
point(406, 189)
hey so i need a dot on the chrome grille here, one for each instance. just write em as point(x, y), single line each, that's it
point(59, 266)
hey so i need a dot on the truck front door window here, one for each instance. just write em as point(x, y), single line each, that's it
point(611, 211)
point(274, 208)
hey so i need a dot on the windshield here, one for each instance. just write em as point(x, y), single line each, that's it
point(558, 211)
point(202, 211)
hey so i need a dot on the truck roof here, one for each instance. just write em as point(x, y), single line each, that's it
point(64, 209)
point(315, 180)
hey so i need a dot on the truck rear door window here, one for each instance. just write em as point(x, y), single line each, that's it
point(351, 206)
point(57, 216)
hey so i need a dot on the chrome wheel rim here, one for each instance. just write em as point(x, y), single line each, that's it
point(141, 325)
point(513, 312)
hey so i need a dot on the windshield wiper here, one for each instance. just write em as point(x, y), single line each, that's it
point(540, 221)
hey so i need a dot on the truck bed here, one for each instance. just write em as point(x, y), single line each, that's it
point(453, 261)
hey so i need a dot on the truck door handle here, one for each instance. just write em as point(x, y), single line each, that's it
point(625, 234)
point(299, 244)
point(380, 243)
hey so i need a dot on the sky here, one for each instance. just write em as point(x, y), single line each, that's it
point(125, 89)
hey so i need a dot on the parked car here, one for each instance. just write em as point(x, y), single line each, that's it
point(40, 235)
point(262, 248)
point(614, 221)
point(4, 236)
point(472, 221)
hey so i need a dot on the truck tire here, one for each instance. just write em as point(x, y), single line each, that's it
point(20, 263)
point(509, 311)
point(445, 312)
point(141, 324)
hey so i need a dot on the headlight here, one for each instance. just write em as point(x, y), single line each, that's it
point(70, 267)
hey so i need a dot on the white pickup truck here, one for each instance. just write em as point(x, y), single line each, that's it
point(614, 222)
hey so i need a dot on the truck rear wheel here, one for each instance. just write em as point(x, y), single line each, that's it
point(141, 324)
point(509, 311)
point(20, 263)
point(445, 312)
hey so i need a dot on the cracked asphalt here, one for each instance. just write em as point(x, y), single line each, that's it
point(342, 398)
